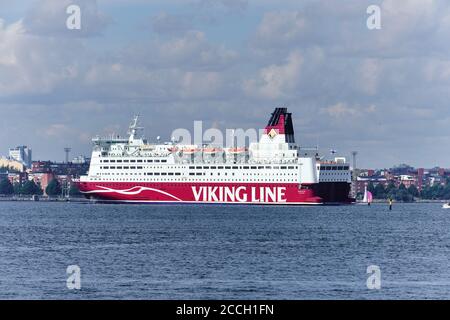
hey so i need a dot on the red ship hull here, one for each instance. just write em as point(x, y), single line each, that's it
point(229, 193)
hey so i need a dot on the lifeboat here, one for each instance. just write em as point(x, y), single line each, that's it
point(237, 150)
point(212, 151)
point(189, 150)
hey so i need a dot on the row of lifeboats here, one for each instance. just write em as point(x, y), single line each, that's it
point(207, 150)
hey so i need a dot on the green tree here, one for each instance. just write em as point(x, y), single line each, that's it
point(53, 188)
point(6, 187)
point(391, 190)
point(30, 188)
point(413, 190)
point(370, 187)
point(379, 192)
point(17, 188)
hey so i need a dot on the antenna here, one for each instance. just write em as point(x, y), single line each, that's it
point(67, 150)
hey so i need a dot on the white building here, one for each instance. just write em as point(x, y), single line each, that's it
point(21, 154)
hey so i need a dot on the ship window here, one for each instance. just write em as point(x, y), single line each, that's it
point(126, 167)
point(191, 167)
point(119, 167)
point(164, 174)
point(163, 160)
point(252, 167)
point(125, 160)
point(198, 167)
point(156, 160)
point(213, 167)
point(191, 173)
point(170, 173)
point(267, 167)
point(177, 173)
point(219, 167)
point(132, 160)
point(199, 173)
point(283, 167)
point(139, 161)
point(156, 173)
point(290, 167)
point(227, 167)
point(113, 160)
point(119, 160)
point(149, 160)
point(235, 167)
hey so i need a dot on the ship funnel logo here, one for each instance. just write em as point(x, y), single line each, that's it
point(272, 133)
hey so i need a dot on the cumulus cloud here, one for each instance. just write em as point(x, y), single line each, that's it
point(342, 110)
point(280, 28)
point(276, 81)
point(30, 65)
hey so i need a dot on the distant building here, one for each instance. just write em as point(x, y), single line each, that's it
point(408, 180)
point(80, 160)
point(363, 182)
point(12, 164)
point(57, 168)
point(21, 154)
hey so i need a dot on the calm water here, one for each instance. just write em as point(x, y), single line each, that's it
point(223, 252)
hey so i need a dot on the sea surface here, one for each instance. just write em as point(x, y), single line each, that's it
point(223, 252)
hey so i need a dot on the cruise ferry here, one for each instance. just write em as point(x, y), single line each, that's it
point(269, 172)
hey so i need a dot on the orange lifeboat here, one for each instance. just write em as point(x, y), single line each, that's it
point(211, 150)
point(237, 150)
point(189, 150)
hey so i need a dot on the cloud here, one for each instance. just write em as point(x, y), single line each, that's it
point(342, 110)
point(30, 65)
point(276, 81)
point(280, 28)
point(165, 23)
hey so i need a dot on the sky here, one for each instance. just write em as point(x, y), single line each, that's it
point(381, 92)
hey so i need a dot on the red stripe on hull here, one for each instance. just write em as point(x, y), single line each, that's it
point(267, 193)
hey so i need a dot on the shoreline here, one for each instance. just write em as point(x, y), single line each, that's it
point(85, 200)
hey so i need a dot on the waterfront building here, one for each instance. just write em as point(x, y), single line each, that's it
point(21, 154)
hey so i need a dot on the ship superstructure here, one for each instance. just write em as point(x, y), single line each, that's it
point(269, 171)
point(335, 177)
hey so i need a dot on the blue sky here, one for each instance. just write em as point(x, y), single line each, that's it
point(381, 92)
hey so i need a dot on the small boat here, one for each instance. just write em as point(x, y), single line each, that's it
point(367, 197)
point(446, 205)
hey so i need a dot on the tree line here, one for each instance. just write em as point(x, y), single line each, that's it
point(402, 193)
point(29, 188)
